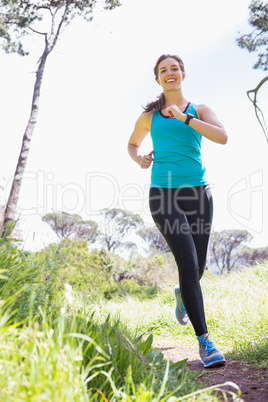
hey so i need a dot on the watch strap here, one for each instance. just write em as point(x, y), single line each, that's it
point(188, 118)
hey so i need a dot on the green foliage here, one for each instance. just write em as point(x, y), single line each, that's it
point(257, 39)
point(15, 17)
point(139, 291)
point(19, 283)
point(76, 266)
point(68, 355)
point(158, 270)
point(236, 313)
point(75, 359)
point(254, 352)
point(92, 274)
point(66, 349)
point(19, 18)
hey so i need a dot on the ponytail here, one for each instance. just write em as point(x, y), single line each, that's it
point(155, 105)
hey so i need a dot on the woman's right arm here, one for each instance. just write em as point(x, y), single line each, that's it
point(141, 129)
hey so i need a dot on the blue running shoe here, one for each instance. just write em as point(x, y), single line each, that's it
point(180, 311)
point(210, 356)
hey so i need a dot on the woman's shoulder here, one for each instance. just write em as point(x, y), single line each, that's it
point(200, 106)
point(144, 121)
point(147, 115)
point(146, 118)
point(200, 109)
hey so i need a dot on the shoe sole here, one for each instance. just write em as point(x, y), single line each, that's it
point(214, 363)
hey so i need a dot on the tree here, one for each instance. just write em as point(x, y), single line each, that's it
point(87, 230)
point(154, 239)
point(251, 256)
point(66, 225)
point(224, 248)
point(17, 19)
point(117, 224)
point(257, 40)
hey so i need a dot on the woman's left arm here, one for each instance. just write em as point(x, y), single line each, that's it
point(207, 123)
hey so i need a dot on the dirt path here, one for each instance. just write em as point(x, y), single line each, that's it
point(253, 383)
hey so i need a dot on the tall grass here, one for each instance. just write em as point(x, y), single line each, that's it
point(53, 348)
point(72, 359)
point(236, 313)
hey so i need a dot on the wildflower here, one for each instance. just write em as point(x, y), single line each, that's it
point(68, 287)
point(77, 358)
point(47, 277)
point(68, 293)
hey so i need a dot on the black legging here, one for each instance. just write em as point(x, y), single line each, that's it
point(184, 217)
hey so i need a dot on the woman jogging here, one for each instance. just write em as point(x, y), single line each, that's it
point(180, 198)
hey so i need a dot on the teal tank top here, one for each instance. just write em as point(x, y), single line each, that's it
point(177, 153)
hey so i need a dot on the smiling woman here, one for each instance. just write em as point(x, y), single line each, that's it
point(180, 197)
point(177, 69)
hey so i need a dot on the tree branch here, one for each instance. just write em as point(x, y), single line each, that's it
point(37, 32)
point(254, 101)
point(63, 18)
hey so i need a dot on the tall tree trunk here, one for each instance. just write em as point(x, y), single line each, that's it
point(11, 206)
point(50, 43)
point(228, 261)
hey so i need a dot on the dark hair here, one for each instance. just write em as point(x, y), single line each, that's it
point(160, 101)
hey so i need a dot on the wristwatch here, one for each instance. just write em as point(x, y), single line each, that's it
point(188, 118)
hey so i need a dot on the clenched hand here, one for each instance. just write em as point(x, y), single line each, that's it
point(146, 160)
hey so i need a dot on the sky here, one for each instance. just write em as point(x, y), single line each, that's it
point(97, 80)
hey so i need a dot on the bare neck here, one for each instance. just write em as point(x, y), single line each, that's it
point(175, 98)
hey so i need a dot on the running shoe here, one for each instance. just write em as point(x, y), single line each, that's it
point(210, 356)
point(180, 311)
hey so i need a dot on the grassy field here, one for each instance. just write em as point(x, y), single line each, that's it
point(236, 313)
point(53, 347)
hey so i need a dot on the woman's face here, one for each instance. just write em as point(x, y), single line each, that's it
point(170, 75)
